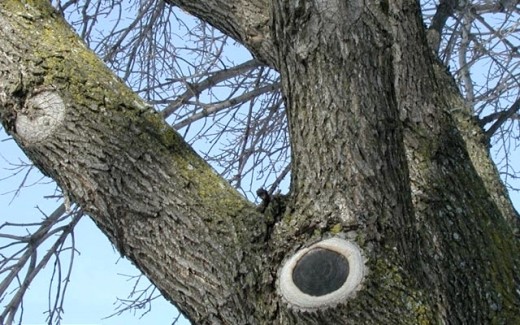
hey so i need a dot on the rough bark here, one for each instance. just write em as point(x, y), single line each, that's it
point(376, 150)
point(158, 202)
point(383, 154)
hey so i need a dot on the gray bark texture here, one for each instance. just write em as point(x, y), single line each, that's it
point(384, 154)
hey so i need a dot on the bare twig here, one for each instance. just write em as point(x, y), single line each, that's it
point(27, 259)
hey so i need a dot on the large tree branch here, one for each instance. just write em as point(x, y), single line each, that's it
point(151, 194)
point(248, 22)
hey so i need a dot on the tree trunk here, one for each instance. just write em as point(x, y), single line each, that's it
point(391, 189)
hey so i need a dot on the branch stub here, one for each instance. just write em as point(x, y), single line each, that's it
point(322, 275)
point(41, 115)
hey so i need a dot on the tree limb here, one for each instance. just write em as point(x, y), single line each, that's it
point(195, 89)
point(247, 22)
point(144, 187)
point(502, 117)
point(216, 107)
point(445, 10)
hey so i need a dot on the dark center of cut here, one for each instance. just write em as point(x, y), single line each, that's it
point(320, 271)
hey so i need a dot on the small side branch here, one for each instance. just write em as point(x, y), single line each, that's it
point(501, 118)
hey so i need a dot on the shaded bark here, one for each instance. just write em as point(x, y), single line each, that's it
point(376, 151)
point(383, 154)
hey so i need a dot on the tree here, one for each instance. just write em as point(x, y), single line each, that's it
point(392, 187)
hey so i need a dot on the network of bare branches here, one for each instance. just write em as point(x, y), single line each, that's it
point(480, 43)
point(229, 106)
point(53, 235)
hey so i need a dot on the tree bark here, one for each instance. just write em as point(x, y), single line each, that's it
point(158, 202)
point(384, 156)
